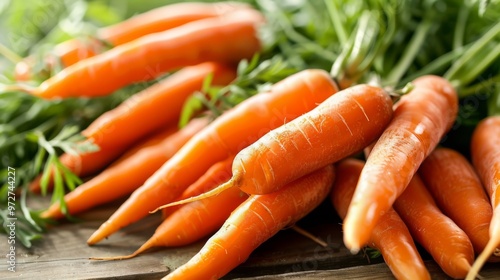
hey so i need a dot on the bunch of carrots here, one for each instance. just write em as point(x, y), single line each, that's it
point(261, 166)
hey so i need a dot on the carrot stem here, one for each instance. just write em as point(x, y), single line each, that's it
point(336, 22)
point(9, 54)
point(458, 36)
point(469, 55)
point(413, 48)
point(479, 86)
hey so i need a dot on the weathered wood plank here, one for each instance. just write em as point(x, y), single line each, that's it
point(64, 254)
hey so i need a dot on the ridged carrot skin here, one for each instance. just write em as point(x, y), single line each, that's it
point(155, 20)
point(215, 175)
point(256, 220)
point(340, 126)
point(140, 115)
point(226, 39)
point(115, 181)
point(452, 181)
point(421, 118)
point(485, 153)
point(447, 243)
point(390, 236)
point(227, 135)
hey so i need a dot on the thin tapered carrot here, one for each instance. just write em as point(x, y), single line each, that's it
point(155, 20)
point(485, 153)
point(256, 220)
point(421, 118)
point(459, 193)
point(156, 106)
point(225, 39)
point(191, 222)
point(447, 243)
point(227, 135)
point(390, 236)
point(340, 126)
point(129, 172)
point(215, 175)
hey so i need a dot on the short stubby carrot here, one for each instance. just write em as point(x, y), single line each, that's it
point(129, 172)
point(390, 236)
point(226, 39)
point(140, 115)
point(445, 241)
point(152, 21)
point(421, 118)
point(485, 153)
point(256, 220)
point(340, 126)
point(215, 175)
point(226, 135)
point(459, 193)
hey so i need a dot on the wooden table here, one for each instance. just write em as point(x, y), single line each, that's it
point(63, 254)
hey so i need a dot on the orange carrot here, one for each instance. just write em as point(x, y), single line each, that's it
point(234, 130)
point(485, 153)
point(256, 220)
point(390, 236)
point(143, 113)
point(449, 245)
point(116, 182)
point(215, 175)
point(340, 126)
point(191, 222)
point(452, 181)
point(155, 20)
point(225, 39)
point(421, 118)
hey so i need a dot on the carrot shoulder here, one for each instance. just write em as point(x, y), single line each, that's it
point(390, 236)
point(256, 220)
point(225, 136)
point(140, 115)
point(447, 243)
point(485, 153)
point(225, 39)
point(129, 172)
point(421, 118)
point(459, 193)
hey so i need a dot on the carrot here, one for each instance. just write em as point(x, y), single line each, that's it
point(215, 175)
point(143, 113)
point(421, 118)
point(234, 130)
point(390, 236)
point(340, 126)
point(225, 39)
point(256, 220)
point(116, 182)
point(485, 153)
point(447, 243)
point(452, 181)
point(191, 222)
point(155, 20)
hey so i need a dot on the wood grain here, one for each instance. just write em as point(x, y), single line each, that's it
point(64, 254)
